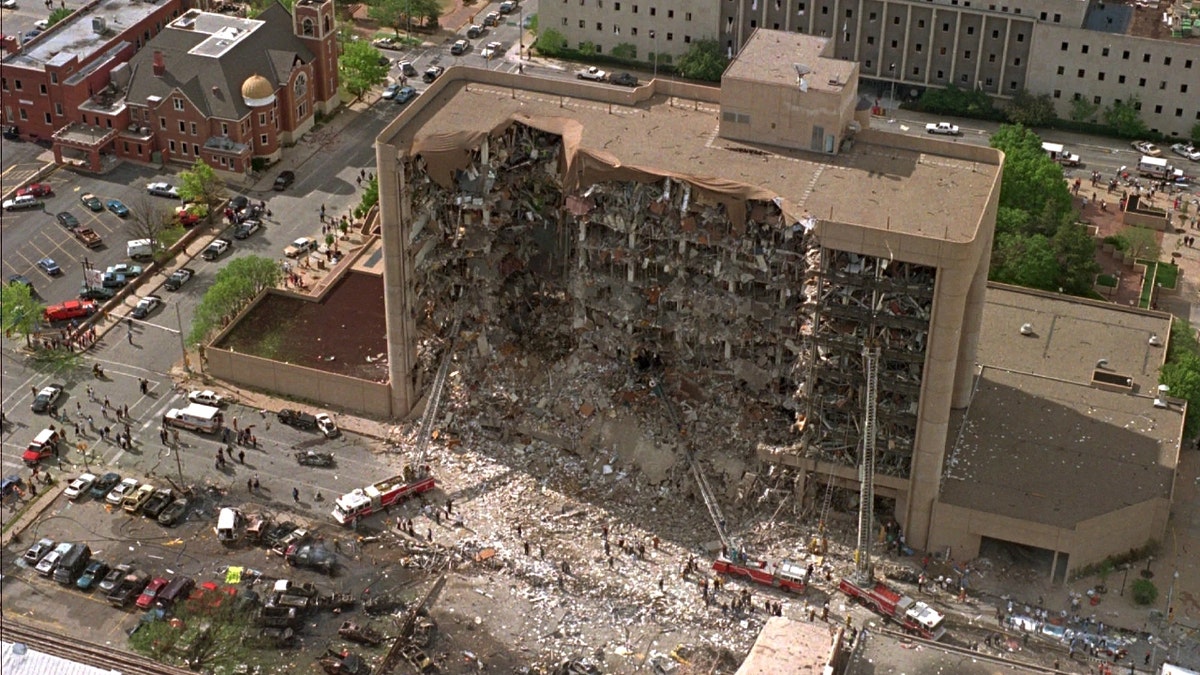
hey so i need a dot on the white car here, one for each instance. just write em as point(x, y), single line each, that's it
point(1189, 151)
point(215, 249)
point(942, 128)
point(146, 305)
point(126, 486)
point(492, 50)
point(9, 4)
point(207, 397)
point(299, 247)
point(79, 486)
point(163, 190)
point(326, 425)
point(41, 24)
point(592, 73)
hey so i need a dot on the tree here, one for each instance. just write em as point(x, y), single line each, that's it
point(551, 42)
point(1075, 250)
point(20, 312)
point(1139, 242)
point(704, 60)
point(587, 48)
point(201, 184)
point(1144, 592)
point(959, 103)
point(148, 219)
point(1032, 182)
point(235, 286)
point(1181, 372)
point(1083, 110)
point(361, 67)
point(625, 50)
point(1027, 261)
point(1196, 133)
point(1125, 118)
point(1030, 110)
point(58, 15)
point(400, 13)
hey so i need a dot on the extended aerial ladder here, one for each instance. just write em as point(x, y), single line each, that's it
point(433, 405)
point(863, 570)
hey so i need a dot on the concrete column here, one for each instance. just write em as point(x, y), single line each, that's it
point(964, 376)
point(933, 416)
point(395, 220)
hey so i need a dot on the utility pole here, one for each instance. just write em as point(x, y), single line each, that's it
point(654, 36)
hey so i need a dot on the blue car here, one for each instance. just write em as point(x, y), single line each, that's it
point(117, 207)
point(405, 94)
point(92, 575)
point(391, 90)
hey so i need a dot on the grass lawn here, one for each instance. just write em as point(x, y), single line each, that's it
point(1165, 275)
point(1106, 280)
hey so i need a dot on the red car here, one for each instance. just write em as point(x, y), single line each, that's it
point(35, 189)
point(147, 597)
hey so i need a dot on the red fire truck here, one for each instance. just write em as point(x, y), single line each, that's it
point(787, 575)
point(374, 498)
point(916, 617)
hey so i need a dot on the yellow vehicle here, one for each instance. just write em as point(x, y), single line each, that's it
point(135, 500)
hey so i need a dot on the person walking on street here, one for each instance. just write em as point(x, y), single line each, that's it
point(241, 456)
point(296, 495)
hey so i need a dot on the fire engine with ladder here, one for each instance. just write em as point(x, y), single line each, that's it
point(787, 575)
point(915, 617)
point(417, 477)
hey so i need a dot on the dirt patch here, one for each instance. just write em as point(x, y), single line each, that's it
point(345, 334)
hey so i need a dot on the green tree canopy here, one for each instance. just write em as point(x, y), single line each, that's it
point(398, 13)
point(704, 60)
point(1032, 182)
point(1196, 132)
point(1125, 118)
point(551, 42)
point(1181, 372)
point(1083, 110)
point(1030, 110)
point(1075, 250)
point(361, 68)
point(624, 50)
point(1028, 261)
point(236, 284)
point(201, 184)
point(58, 14)
point(20, 312)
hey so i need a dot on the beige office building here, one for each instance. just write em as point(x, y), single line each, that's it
point(737, 246)
point(1113, 51)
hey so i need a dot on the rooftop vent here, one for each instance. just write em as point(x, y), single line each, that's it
point(1155, 341)
point(1026, 329)
point(1103, 379)
point(99, 25)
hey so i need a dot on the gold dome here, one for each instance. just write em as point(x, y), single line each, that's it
point(256, 87)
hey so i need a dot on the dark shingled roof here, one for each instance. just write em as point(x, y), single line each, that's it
point(214, 85)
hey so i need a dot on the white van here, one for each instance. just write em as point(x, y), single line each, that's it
point(1155, 167)
point(229, 523)
point(140, 248)
point(203, 418)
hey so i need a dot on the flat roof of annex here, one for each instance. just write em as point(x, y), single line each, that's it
point(909, 185)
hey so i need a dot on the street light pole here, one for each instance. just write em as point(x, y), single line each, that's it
point(892, 70)
point(654, 36)
point(1124, 578)
point(182, 345)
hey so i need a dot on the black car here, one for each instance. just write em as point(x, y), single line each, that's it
point(432, 73)
point(239, 202)
point(312, 556)
point(67, 220)
point(179, 277)
point(12, 133)
point(295, 418)
point(284, 179)
point(48, 396)
point(246, 228)
point(174, 513)
point(21, 280)
point(624, 79)
point(104, 484)
point(114, 577)
point(161, 499)
point(275, 533)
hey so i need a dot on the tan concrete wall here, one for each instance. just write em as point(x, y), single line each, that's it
point(292, 381)
point(1089, 542)
point(785, 116)
point(1163, 89)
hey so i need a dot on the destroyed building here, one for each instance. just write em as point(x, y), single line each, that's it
point(730, 249)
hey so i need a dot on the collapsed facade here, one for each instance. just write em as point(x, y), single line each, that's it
point(657, 239)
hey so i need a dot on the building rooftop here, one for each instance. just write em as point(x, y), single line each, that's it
point(76, 36)
point(786, 646)
point(1035, 423)
point(778, 57)
point(874, 184)
point(20, 659)
point(1069, 336)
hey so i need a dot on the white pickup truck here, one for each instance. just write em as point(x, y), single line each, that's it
point(943, 128)
point(592, 73)
point(300, 247)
